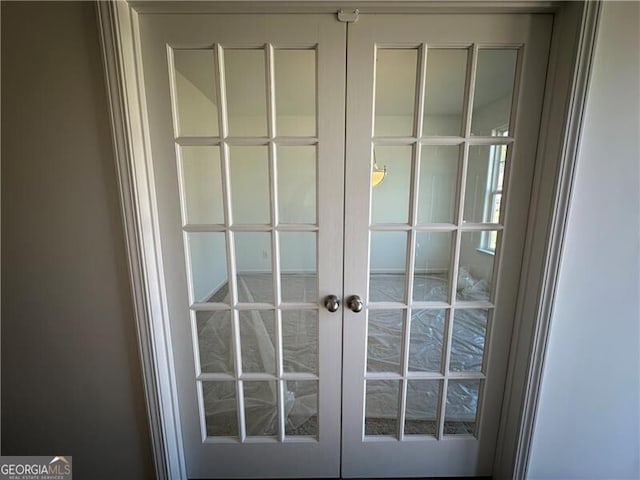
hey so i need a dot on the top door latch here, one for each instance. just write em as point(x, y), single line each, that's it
point(349, 17)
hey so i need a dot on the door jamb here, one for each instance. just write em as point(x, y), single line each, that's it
point(117, 23)
point(572, 47)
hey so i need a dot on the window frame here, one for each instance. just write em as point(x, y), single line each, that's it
point(493, 190)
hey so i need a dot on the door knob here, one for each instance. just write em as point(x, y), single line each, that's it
point(355, 303)
point(332, 303)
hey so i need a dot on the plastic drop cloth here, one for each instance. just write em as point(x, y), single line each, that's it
point(257, 338)
point(257, 330)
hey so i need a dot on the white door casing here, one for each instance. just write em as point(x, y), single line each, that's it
point(120, 39)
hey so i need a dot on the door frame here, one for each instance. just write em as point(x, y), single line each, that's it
point(572, 47)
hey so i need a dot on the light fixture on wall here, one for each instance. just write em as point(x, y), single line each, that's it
point(377, 174)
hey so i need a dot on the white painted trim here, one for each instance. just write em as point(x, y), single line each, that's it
point(558, 227)
point(557, 153)
point(116, 23)
point(418, 271)
point(370, 6)
point(573, 44)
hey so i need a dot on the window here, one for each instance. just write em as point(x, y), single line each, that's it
point(493, 195)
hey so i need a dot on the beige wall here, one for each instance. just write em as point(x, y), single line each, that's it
point(70, 373)
point(71, 380)
point(588, 419)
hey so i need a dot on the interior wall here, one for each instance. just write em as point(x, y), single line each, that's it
point(202, 184)
point(487, 118)
point(249, 173)
point(71, 382)
point(436, 198)
point(479, 263)
point(588, 421)
point(70, 373)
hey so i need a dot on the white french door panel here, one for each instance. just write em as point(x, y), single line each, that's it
point(265, 208)
point(445, 109)
point(246, 128)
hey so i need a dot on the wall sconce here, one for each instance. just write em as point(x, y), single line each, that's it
point(378, 175)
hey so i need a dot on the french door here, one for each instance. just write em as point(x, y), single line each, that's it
point(449, 107)
point(342, 212)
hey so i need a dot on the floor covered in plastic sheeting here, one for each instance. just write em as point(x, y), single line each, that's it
point(384, 354)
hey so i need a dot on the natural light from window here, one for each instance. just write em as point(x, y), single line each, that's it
point(493, 196)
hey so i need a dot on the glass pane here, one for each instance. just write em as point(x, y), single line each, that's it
point(301, 406)
point(197, 102)
point(295, 74)
point(483, 185)
point(202, 185)
point(426, 340)
point(253, 261)
point(257, 341)
point(215, 340)
point(444, 96)
point(219, 400)
point(423, 398)
point(494, 208)
point(438, 178)
point(297, 184)
point(250, 202)
point(395, 91)
point(391, 197)
point(384, 341)
point(462, 406)
point(469, 334)
point(495, 75)
point(246, 92)
point(260, 408)
point(431, 273)
point(388, 264)
point(489, 240)
point(381, 409)
point(475, 274)
point(207, 267)
point(298, 266)
point(300, 341)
